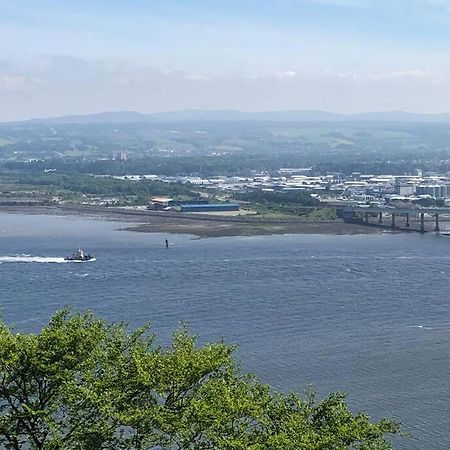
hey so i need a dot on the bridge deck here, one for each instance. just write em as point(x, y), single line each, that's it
point(377, 210)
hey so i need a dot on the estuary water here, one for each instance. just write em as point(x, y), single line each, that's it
point(367, 315)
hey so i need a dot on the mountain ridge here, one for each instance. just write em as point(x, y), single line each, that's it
point(196, 115)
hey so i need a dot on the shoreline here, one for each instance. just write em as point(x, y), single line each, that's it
point(200, 226)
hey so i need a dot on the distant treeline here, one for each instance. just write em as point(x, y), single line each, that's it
point(173, 166)
point(231, 165)
point(105, 186)
point(227, 148)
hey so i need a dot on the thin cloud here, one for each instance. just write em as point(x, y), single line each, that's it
point(377, 76)
point(438, 4)
point(411, 74)
point(61, 85)
point(287, 74)
point(14, 83)
point(343, 3)
point(196, 77)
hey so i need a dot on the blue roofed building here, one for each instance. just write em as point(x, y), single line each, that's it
point(211, 207)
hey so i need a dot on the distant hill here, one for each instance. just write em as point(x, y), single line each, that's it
point(103, 117)
point(231, 115)
point(400, 116)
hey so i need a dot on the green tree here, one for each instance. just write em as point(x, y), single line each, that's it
point(82, 383)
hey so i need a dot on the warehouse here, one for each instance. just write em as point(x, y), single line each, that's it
point(212, 207)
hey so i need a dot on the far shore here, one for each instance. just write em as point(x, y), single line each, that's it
point(197, 225)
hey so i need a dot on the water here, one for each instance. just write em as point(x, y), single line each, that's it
point(368, 315)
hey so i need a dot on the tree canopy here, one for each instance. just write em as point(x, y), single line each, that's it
point(87, 184)
point(82, 383)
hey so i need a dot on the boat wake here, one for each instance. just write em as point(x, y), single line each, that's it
point(36, 259)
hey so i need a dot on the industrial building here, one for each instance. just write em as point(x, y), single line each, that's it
point(435, 190)
point(160, 203)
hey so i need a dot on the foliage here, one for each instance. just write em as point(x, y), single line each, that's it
point(225, 148)
point(323, 214)
point(84, 384)
point(281, 204)
point(428, 202)
point(299, 198)
point(105, 186)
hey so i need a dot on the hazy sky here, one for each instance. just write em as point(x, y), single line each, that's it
point(70, 57)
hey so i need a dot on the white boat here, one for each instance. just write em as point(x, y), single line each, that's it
point(79, 255)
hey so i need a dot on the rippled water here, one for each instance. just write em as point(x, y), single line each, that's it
point(368, 315)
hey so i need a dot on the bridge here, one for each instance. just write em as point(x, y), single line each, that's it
point(352, 212)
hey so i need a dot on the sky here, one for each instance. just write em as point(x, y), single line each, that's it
point(86, 56)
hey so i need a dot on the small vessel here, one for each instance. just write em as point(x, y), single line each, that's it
point(79, 255)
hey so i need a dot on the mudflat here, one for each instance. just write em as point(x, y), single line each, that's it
point(197, 225)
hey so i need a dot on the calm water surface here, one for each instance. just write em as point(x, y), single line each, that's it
point(368, 315)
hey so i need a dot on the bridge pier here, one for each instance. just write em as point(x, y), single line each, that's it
point(389, 214)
